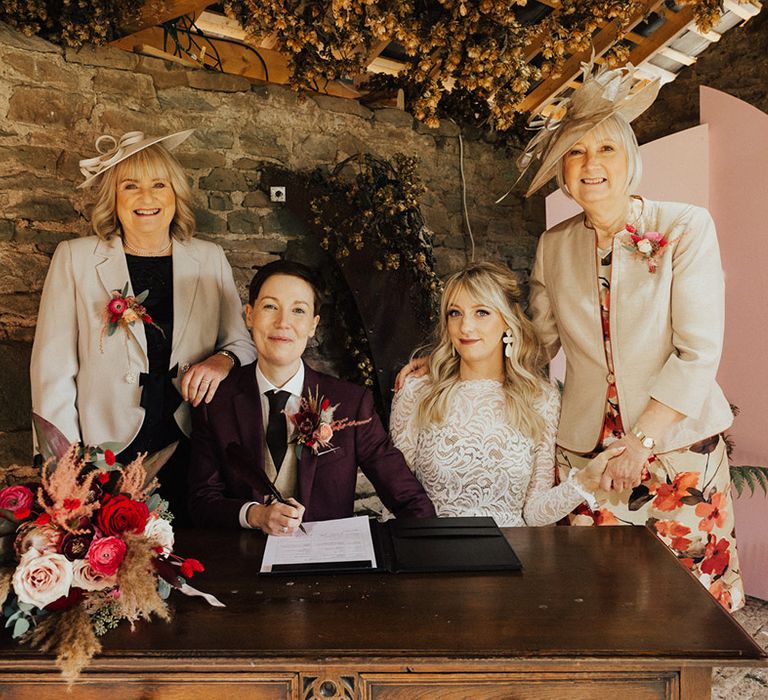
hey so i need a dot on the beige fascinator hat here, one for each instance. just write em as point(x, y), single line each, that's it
point(113, 151)
point(601, 95)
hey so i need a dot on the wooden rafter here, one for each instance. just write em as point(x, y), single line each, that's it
point(607, 37)
point(676, 23)
point(154, 12)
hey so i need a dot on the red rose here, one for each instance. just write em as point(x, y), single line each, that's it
point(119, 514)
point(16, 498)
point(109, 457)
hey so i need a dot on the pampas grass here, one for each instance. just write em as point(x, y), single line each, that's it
point(138, 585)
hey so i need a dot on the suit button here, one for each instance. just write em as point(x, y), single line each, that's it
point(610, 378)
point(130, 378)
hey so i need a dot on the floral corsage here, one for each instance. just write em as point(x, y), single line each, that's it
point(124, 310)
point(649, 246)
point(315, 424)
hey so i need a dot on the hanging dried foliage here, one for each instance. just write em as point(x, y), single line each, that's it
point(480, 47)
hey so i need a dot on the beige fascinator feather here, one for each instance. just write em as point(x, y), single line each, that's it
point(113, 151)
point(601, 95)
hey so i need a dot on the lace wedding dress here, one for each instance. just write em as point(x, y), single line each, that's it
point(475, 463)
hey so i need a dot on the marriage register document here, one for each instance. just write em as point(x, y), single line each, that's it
point(346, 542)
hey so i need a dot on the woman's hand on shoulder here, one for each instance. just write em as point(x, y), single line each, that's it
point(417, 367)
point(201, 380)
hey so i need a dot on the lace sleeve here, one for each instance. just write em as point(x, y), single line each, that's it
point(546, 503)
point(402, 422)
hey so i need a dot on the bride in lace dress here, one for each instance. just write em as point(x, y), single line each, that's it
point(479, 429)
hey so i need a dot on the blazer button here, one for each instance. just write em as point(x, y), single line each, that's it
point(130, 378)
point(610, 378)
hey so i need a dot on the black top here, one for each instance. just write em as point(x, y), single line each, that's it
point(159, 397)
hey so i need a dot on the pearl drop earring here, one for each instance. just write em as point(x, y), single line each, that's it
point(507, 340)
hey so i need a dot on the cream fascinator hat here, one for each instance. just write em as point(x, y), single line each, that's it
point(114, 151)
point(601, 95)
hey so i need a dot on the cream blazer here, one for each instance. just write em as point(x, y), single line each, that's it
point(88, 386)
point(666, 327)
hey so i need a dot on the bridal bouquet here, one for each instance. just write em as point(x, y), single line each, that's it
point(92, 545)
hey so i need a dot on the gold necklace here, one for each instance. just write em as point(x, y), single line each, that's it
point(148, 253)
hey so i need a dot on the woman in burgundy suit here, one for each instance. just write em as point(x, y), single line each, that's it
point(306, 431)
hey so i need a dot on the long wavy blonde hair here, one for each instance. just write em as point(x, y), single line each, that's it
point(496, 287)
point(153, 161)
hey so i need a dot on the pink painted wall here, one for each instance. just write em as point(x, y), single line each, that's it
point(738, 180)
point(723, 165)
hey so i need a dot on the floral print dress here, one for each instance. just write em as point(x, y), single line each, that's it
point(684, 496)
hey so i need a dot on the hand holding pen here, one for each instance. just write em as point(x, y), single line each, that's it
point(279, 515)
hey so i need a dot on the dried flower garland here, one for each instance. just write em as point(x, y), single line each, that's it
point(478, 46)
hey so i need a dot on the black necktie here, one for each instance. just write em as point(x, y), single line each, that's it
point(277, 430)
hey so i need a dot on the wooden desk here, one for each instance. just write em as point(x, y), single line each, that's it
point(597, 612)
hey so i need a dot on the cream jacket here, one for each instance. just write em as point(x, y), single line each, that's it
point(666, 327)
point(88, 386)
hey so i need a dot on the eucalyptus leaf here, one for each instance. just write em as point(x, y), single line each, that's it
point(124, 293)
point(163, 588)
point(111, 329)
point(141, 297)
point(21, 627)
point(26, 607)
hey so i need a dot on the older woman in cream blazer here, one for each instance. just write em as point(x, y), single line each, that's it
point(111, 374)
point(633, 291)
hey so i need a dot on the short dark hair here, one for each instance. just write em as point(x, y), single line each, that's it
point(285, 267)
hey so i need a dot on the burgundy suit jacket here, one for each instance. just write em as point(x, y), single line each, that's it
point(326, 483)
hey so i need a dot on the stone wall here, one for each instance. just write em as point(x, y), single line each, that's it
point(55, 102)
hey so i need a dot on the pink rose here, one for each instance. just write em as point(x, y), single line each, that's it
point(323, 433)
point(41, 578)
point(654, 236)
point(15, 498)
point(106, 554)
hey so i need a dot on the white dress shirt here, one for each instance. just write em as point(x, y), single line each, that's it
point(294, 386)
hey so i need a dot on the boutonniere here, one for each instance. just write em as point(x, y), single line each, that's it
point(315, 424)
point(124, 310)
point(649, 246)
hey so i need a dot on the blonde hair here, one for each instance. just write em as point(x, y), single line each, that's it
point(153, 161)
point(495, 286)
point(617, 129)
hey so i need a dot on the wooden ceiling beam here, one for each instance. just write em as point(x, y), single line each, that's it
point(236, 59)
point(607, 37)
point(676, 23)
point(154, 12)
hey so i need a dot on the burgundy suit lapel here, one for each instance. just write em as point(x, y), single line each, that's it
point(246, 406)
point(308, 460)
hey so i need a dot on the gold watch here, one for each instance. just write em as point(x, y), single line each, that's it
point(648, 442)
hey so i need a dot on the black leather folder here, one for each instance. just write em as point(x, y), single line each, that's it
point(424, 545)
point(443, 544)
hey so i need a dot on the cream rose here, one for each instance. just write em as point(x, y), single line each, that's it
point(86, 577)
point(645, 247)
point(40, 578)
point(324, 433)
point(160, 531)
